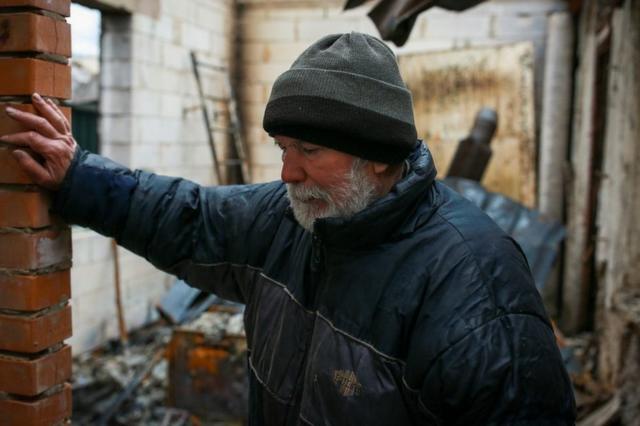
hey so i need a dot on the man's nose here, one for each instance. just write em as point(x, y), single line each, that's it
point(292, 167)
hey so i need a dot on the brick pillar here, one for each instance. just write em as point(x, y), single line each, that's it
point(35, 248)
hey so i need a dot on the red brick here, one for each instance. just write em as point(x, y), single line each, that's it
point(24, 76)
point(10, 170)
point(33, 334)
point(9, 125)
point(24, 209)
point(46, 411)
point(30, 377)
point(61, 7)
point(34, 292)
point(29, 32)
point(21, 250)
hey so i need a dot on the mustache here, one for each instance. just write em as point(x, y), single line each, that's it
point(302, 193)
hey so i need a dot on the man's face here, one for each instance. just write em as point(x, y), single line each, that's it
point(323, 182)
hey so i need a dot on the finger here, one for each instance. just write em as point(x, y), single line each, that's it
point(32, 139)
point(31, 167)
point(33, 122)
point(52, 112)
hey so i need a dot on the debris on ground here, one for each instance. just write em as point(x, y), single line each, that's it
point(131, 385)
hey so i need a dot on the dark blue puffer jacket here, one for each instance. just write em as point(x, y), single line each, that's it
point(417, 310)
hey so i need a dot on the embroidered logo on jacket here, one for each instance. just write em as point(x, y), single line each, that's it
point(347, 382)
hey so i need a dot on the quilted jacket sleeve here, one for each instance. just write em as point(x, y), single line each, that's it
point(506, 372)
point(482, 351)
point(171, 222)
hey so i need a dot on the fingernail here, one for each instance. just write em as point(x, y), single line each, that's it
point(10, 110)
point(37, 97)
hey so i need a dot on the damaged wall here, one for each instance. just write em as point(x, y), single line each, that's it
point(149, 120)
point(273, 34)
point(618, 247)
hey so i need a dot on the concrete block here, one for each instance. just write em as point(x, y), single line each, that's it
point(171, 105)
point(34, 292)
point(116, 75)
point(29, 32)
point(145, 103)
point(20, 250)
point(264, 73)
point(29, 377)
point(116, 46)
point(115, 101)
point(519, 27)
point(175, 57)
point(195, 37)
point(458, 26)
point(268, 31)
point(90, 278)
point(310, 30)
point(116, 128)
point(48, 410)
point(31, 334)
point(147, 49)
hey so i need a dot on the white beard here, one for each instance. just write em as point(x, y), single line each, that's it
point(354, 195)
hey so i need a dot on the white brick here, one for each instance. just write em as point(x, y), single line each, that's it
point(520, 27)
point(147, 49)
point(458, 26)
point(116, 45)
point(312, 30)
point(264, 73)
point(116, 75)
point(275, 53)
point(115, 101)
point(145, 102)
point(273, 30)
point(118, 153)
point(196, 38)
point(175, 57)
point(116, 128)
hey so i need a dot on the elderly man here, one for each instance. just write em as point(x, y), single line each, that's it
point(374, 295)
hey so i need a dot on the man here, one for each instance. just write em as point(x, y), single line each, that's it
point(374, 295)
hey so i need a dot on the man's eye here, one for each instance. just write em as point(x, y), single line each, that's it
point(309, 150)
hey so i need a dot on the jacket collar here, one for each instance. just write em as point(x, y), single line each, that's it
point(388, 217)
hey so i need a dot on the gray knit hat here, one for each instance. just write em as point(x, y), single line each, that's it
point(345, 92)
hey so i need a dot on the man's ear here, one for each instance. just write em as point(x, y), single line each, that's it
point(379, 168)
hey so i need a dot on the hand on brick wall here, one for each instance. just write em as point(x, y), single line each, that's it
point(49, 138)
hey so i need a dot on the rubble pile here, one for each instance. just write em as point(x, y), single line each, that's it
point(101, 378)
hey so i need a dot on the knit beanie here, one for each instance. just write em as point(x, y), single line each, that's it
point(345, 92)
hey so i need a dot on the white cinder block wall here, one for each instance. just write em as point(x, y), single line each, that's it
point(273, 33)
point(147, 121)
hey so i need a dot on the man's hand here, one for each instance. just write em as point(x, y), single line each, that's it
point(49, 138)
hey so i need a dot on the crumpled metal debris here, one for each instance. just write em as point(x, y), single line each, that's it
point(395, 18)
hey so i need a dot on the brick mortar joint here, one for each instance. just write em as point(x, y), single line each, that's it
point(20, 356)
point(32, 231)
point(48, 57)
point(34, 10)
point(35, 314)
point(47, 393)
point(62, 266)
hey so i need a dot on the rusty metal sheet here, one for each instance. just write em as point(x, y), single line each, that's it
point(450, 87)
point(208, 366)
